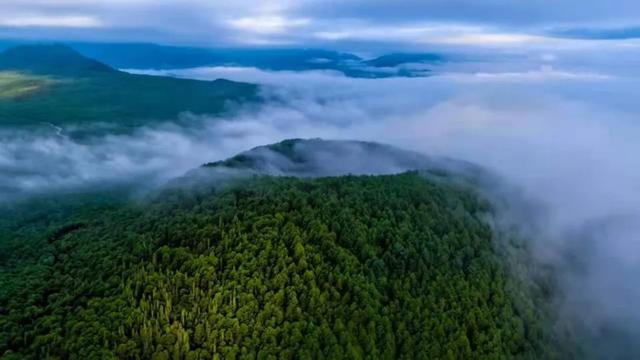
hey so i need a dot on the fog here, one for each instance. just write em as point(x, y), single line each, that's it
point(565, 139)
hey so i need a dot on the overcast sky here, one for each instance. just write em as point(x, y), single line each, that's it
point(339, 24)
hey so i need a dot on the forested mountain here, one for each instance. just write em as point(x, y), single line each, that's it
point(256, 266)
point(55, 84)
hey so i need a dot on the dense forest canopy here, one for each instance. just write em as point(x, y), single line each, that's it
point(388, 266)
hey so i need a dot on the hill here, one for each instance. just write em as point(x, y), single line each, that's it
point(55, 84)
point(387, 266)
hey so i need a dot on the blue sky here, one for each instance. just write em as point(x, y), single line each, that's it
point(372, 24)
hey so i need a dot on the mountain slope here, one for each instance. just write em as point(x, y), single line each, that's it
point(77, 90)
point(390, 266)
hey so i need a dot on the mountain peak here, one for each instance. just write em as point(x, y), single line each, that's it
point(318, 157)
point(51, 59)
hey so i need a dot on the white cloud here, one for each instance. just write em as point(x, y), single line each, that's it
point(480, 39)
point(267, 24)
point(437, 34)
point(68, 21)
point(545, 73)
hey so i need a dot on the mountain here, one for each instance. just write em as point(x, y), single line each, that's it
point(55, 84)
point(397, 59)
point(387, 266)
point(164, 57)
point(153, 56)
point(317, 157)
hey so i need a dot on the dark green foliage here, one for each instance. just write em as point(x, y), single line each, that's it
point(78, 90)
point(350, 267)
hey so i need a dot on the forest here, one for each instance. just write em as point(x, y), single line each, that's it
point(352, 267)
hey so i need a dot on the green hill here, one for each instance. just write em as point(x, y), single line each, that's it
point(55, 84)
point(352, 267)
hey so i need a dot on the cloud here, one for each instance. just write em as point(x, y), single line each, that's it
point(432, 33)
point(498, 12)
point(371, 24)
point(267, 25)
point(66, 21)
point(545, 73)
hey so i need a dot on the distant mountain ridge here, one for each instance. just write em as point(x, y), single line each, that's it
point(396, 59)
point(163, 57)
point(141, 55)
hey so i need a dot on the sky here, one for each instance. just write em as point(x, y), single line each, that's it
point(349, 24)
